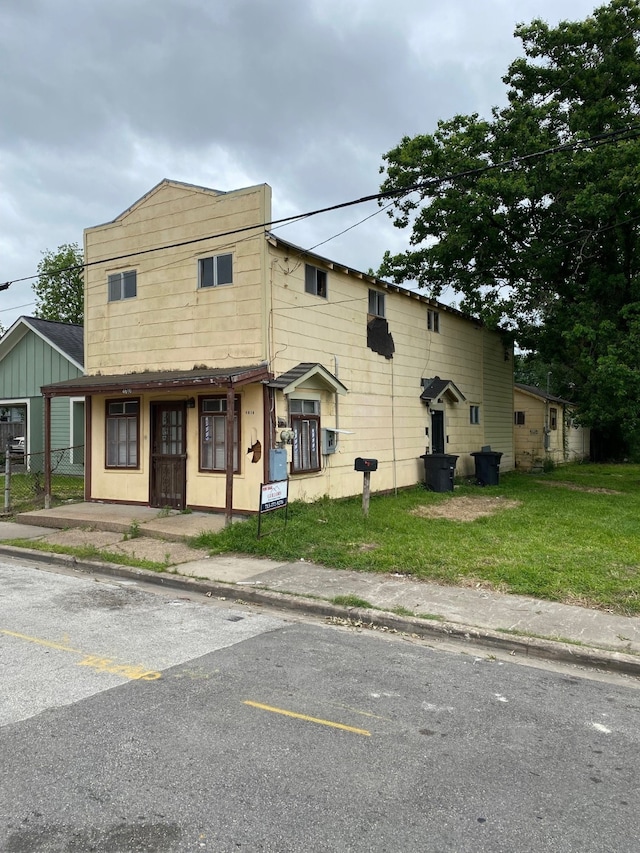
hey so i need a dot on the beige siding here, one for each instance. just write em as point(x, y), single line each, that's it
point(566, 443)
point(171, 323)
point(267, 315)
point(382, 414)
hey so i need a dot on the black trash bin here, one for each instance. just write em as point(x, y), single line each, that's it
point(439, 470)
point(487, 467)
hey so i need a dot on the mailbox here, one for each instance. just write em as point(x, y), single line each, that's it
point(366, 464)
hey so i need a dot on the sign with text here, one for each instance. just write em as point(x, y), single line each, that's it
point(274, 495)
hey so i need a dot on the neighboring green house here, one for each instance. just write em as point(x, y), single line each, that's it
point(33, 353)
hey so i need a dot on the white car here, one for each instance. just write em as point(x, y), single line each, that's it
point(16, 446)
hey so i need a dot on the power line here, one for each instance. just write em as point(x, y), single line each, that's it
point(627, 133)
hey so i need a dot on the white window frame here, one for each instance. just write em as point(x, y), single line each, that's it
point(216, 263)
point(117, 285)
point(316, 281)
point(376, 305)
point(433, 320)
point(474, 414)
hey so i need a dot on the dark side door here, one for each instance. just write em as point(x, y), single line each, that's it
point(437, 432)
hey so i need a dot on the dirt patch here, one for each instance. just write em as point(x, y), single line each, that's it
point(575, 488)
point(142, 547)
point(465, 508)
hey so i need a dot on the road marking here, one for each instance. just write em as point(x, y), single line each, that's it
point(100, 664)
point(307, 718)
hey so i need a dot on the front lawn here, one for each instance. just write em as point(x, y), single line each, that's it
point(571, 535)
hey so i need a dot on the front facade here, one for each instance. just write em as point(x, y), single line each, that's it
point(33, 353)
point(220, 357)
point(545, 430)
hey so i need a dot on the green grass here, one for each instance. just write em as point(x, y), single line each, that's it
point(561, 542)
point(90, 552)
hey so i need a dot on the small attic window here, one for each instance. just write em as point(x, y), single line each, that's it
point(315, 281)
point(376, 303)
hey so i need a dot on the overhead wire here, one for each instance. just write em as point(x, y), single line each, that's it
point(609, 137)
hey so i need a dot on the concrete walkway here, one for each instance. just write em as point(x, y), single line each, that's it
point(522, 625)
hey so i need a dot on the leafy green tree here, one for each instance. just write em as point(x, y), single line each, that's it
point(545, 245)
point(59, 288)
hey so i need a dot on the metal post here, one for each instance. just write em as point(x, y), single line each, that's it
point(47, 452)
point(7, 481)
point(228, 513)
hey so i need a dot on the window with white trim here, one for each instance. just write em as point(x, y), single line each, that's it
point(376, 303)
point(215, 271)
point(122, 285)
point(305, 423)
point(122, 433)
point(315, 281)
point(433, 320)
point(213, 434)
point(474, 414)
point(553, 418)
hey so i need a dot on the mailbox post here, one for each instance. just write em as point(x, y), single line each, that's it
point(366, 466)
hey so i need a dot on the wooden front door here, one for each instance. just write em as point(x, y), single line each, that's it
point(168, 455)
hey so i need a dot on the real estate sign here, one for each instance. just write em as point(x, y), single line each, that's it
point(274, 495)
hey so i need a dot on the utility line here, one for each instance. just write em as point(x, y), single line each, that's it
point(627, 133)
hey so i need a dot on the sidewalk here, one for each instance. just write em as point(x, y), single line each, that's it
point(517, 624)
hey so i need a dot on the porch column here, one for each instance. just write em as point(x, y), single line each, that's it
point(228, 514)
point(47, 452)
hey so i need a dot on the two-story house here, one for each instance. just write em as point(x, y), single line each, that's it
point(220, 357)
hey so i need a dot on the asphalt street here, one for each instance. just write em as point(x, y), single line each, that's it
point(136, 720)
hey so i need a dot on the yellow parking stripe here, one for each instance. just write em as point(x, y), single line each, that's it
point(307, 718)
point(100, 664)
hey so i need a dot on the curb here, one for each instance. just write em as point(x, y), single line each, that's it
point(516, 645)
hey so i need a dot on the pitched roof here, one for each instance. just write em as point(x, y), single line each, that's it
point(288, 382)
point(538, 392)
point(65, 338)
point(436, 387)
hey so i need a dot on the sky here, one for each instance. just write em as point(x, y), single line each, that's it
point(100, 100)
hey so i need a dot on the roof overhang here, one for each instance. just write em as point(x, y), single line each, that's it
point(436, 389)
point(288, 382)
point(161, 381)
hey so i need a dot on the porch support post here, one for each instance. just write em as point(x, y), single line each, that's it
point(47, 452)
point(228, 514)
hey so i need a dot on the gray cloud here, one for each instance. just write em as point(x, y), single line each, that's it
point(101, 100)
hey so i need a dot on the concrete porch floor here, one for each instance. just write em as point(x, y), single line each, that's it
point(170, 526)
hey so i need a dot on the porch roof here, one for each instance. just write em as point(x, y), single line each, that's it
point(289, 381)
point(435, 388)
point(161, 380)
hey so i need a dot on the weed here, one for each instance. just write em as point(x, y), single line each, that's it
point(402, 611)
point(134, 530)
point(165, 512)
point(351, 601)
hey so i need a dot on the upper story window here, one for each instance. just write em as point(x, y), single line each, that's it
point(215, 271)
point(433, 320)
point(315, 281)
point(122, 285)
point(122, 433)
point(376, 303)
